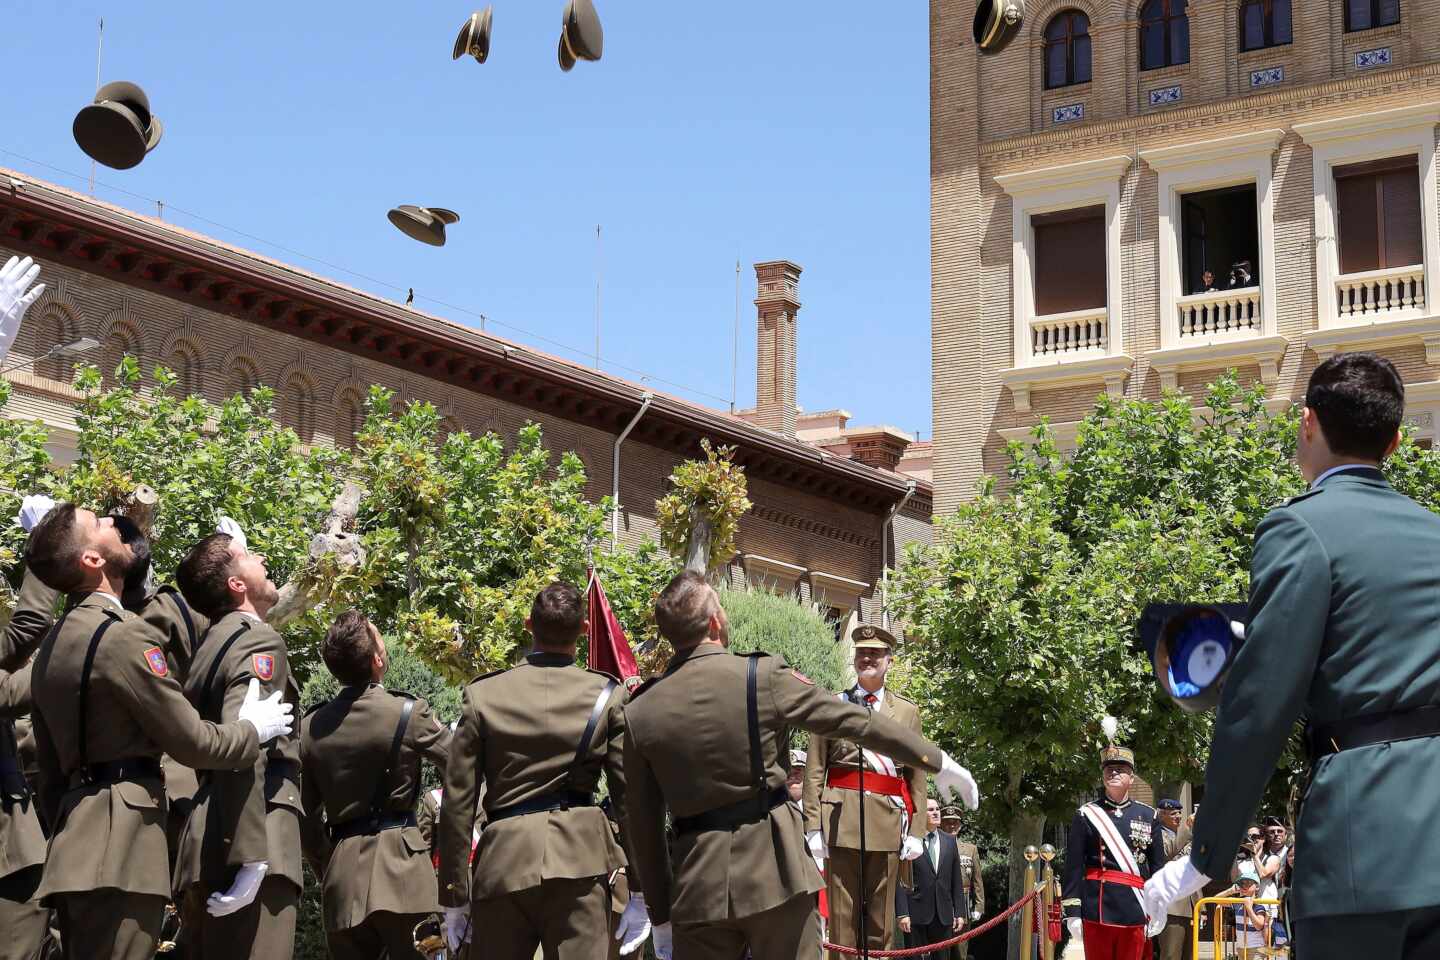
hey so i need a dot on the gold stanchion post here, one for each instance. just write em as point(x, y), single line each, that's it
point(1047, 899)
point(1027, 913)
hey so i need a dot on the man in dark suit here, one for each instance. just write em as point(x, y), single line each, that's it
point(934, 908)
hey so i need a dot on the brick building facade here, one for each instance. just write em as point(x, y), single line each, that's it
point(226, 320)
point(1084, 179)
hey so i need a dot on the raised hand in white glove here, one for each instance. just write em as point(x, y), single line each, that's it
point(953, 780)
point(911, 848)
point(634, 926)
point(1175, 881)
point(15, 278)
point(815, 840)
point(33, 509)
point(664, 940)
point(241, 893)
point(270, 717)
point(1073, 925)
point(456, 926)
point(232, 529)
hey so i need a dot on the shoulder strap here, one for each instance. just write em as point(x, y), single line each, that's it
point(184, 609)
point(377, 802)
point(752, 710)
point(110, 618)
point(583, 746)
point(205, 691)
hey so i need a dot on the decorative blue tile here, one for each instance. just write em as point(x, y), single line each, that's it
point(1163, 95)
point(1068, 113)
point(1379, 57)
point(1264, 78)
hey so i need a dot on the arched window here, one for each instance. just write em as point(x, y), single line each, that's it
point(1067, 49)
point(123, 340)
point(244, 376)
point(1264, 23)
point(55, 327)
point(349, 418)
point(186, 365)
point(1164, 34)
point(1368, 14)
point(299, 408)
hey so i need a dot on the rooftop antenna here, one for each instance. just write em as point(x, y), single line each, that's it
point(599, 268)
point(735, 342)
point(99, 49)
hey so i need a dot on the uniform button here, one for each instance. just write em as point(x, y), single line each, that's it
point(1202, 849)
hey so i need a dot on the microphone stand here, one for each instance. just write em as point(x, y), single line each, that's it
point(861, 941)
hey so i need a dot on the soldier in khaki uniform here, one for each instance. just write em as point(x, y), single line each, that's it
point(361, 755)
point(239, 867)
point(103, 713)
point(969, 875)
point(538, 735)
point(893, 828)
point(706, 741)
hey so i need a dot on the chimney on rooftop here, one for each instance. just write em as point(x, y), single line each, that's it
point(776, 303)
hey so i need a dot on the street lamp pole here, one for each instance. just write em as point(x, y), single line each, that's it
point(72, 349)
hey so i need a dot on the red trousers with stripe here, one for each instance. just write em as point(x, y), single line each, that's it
point(1109, 941)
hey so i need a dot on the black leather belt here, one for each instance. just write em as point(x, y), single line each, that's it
point(115, 771)
point(751, 810)
point(563, 800)
point(1373, 728)
point(366, 826)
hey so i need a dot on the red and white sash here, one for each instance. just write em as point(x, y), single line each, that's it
point(1111, 840)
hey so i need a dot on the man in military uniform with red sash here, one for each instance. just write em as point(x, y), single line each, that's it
point(1115, 844)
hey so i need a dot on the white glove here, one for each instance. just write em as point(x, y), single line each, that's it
point(456, 926)
point(1175, 881)
point(953, 780)
point(270, 717)
point(974, 916)
point(1073, 925)
point(911, 848)
point(241, 893)
point(33, 509)
point(15, 277)
point(232, 529)
point(815, 840)
point(634, 926)
point(664, 941)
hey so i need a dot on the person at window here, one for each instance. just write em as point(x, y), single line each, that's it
point(1240, 275)
point(1207, 282)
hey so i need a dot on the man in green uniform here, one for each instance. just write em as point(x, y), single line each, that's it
point(706, 742)
point(538, 736)
point(238, 871)
point(103, 714)
point(969, 874)
point(361, 755)
point(1342, 629)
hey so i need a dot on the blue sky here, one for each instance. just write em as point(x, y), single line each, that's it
point(709, 133)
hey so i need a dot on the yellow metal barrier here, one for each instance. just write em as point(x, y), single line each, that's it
point(1217, 928)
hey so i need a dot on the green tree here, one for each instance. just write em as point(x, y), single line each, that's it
point(700, 518)
point(786, 626)
point(24, 469)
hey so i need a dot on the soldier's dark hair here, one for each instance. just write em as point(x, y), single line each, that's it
point(556, 615)
point(683, 609)
point(202, 576)
point(349, 647)
point(53, 551)
point(1359, 399)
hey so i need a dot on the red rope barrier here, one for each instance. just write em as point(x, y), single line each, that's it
point(1009, 912)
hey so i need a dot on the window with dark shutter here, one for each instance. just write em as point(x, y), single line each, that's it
point(1264, 23)
point(1368, 14)
point(1378, 209)
point(1069, 260)
point(1164, 34)
point(1067, 49)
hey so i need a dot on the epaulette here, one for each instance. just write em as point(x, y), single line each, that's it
point(322, 703)
point(891, 693)
point(755, 653)
point(401, 693)
point(487, 676)
point(602, 673)
point(645, 686)
point(1313, 491)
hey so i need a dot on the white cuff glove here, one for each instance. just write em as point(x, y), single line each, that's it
point(15, 278)
point(953, 780)
point(664, 940)
point(1073, 925)
point(32, 510)
point(634, 926)
point(911, 848)
point(815, 840)
point(456, 926)
point(974, 916)
point(232, 529)
point(1175, 881)
point(270, 717)
point(241, 893)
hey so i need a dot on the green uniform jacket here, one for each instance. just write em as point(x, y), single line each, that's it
point(1344, 620)
point(22, 842)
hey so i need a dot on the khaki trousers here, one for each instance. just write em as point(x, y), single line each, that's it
point(383, 934)
point(265, 930)
point(1174, 941)
point(23, 921)
point(842, 885)
point(785, 932)
point(109, 923)
point(566, 919)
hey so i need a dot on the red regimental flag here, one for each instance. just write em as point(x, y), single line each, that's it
point(609, 650)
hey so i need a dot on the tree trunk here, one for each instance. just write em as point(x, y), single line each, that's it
point(304, 589)
point(697, 546)
point(1025, 830)
point(139, 505)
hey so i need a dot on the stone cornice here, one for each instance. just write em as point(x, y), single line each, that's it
point(1179, 156)
point(1106, 170)
point(1365, 125)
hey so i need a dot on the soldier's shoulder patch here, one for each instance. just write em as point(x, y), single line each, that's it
point(155, 660)
point(264, 665)
point(487, 676)
point(802, 678)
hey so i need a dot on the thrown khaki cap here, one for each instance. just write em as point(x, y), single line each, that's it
point(581, 36)
point(797, 758)
point(118, 129)
point(474, 37)
point(426, 224)
point(867, 636)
